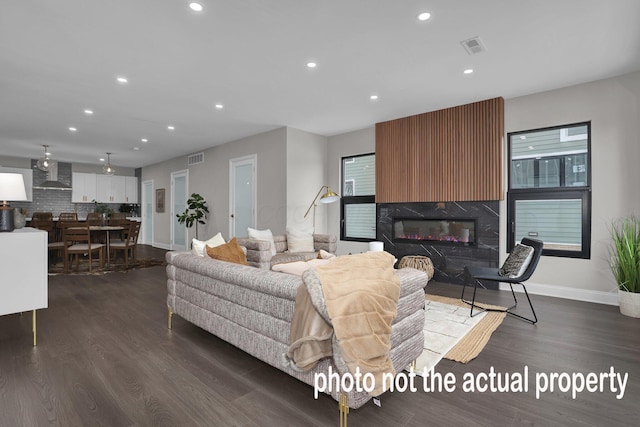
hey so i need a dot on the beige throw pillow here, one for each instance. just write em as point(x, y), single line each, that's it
point(322, 254)
point(300, 240)
point(263, 235)
point(197, 246)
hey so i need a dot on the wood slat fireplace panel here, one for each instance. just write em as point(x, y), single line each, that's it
point(453, 154)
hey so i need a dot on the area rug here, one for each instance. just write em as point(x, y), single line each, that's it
point(58, 269)
point(449, 332)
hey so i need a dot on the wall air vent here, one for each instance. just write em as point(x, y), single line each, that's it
point(195, 159)
point(473, 45)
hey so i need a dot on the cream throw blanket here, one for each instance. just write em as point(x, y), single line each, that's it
point(355, 299)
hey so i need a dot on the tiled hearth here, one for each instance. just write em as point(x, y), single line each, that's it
point(451, 254)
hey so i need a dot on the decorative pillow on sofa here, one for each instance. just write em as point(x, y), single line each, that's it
point(230, 252)
point(197, 246)
point(517, 261)
point(263, 235)
point(322, 254)
point(300, 240)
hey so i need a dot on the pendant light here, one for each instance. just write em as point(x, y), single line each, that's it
point(107, 168)
point(45, 162)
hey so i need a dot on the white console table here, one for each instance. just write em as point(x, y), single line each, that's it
point(23, 272)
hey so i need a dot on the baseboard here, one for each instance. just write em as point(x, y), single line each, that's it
point(586, 295)
point(161, 245)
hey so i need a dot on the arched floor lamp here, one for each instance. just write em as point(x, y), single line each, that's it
point(328, 197)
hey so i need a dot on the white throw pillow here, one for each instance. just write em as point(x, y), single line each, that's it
point(263, 235)
point(300, 240)
point(197, 246)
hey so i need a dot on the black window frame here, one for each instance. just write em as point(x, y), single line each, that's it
point(353, 200)
point(541, 193)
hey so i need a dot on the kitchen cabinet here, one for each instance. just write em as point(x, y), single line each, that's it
point(131, 189)
point(110, 189)
point(88, 187)
point(83, 187)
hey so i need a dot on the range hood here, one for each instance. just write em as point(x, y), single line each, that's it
point(51, 182)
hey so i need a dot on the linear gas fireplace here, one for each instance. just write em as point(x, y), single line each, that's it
point(453, 234)
point(435, 230)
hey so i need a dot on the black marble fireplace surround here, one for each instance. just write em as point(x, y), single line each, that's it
point(449, 258)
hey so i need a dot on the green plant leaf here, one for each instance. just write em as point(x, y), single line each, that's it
point(625, 253)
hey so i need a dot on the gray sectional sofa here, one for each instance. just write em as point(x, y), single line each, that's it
point(252, 309)
point(259, 251)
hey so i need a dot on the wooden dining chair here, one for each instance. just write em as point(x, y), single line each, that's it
point(54, 244)
point(94, 218)
point(128, 243)
point(118, 216)
point(68, 216)
point(77, 240)
point(42, 216)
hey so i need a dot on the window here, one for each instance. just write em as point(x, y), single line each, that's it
point(358, 205)
point(549, 195)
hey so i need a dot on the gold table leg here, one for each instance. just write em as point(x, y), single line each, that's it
point(344, 409)
point(169, 316)
point(33, 327)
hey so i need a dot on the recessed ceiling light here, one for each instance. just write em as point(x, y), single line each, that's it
point(197, 7)
point(311, 64)
point(145, 140)
point(88, 112)
point(122, 79)
point(101, 159)
point(219, 106)
point(468, 71)
point(373, 97)
point(72, 129)
point(136, 148)
point(171, 127)
point(424, 16)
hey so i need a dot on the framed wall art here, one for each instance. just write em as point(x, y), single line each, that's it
point(160, 200)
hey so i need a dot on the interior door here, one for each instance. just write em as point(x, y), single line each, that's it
point(179, 196)
point(147, 212)
point(242, 195)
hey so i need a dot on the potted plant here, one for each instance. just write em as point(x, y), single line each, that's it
point(196, 212)
point(625, 263)
point(104, 210)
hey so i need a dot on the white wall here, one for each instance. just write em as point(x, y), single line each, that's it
point(613, 107)
point(306, 173)
point(211, 180)
point(348, 144)
point(15, 162)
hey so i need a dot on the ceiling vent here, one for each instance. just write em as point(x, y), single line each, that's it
point(195, 159)
point(473, 45)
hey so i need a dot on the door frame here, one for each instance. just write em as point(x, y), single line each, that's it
point(143, 204)
point(172, 213)
point(251, 159)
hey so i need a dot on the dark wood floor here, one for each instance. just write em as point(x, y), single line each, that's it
point(105, 357)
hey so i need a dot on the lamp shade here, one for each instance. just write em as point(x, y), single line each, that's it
point(329, 197)
point(12, 187)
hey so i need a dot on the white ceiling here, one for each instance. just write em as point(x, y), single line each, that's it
point(59, 57)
